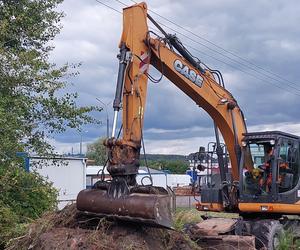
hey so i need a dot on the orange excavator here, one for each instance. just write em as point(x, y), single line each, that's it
point(263, 185)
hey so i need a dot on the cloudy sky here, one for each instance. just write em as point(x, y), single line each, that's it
point(258, 52)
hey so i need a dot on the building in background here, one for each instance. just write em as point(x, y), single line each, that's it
point(93, 174)
point(71, 174)
point(68, 175)
point(160, 178)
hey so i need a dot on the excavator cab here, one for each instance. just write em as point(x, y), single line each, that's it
point(269, 173)
point(268, 177)
point(268, 189)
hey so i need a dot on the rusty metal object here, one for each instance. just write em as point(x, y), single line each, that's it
point(149, 208)
point(218, 233)
point(123, 157)
point(184, 191)
point(122, 198)
point(124, 160)
point(227, 242)
point(215, 226)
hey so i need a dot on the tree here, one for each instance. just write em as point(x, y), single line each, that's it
point(97, 151)
point(174, 166)
point(23, 197)
point(32, 106)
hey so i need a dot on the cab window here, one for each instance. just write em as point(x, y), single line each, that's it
point(288, 165)
point(257, 179)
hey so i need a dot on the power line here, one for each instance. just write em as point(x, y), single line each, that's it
point(250, 74)
point(219, 47)
point(253, 75)
point(108, 6)
point(124, 3)
point(233, 60)
point(215, 51)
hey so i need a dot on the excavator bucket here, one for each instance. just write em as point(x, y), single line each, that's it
point(144, 204)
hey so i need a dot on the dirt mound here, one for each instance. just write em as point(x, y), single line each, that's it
point(69, 229)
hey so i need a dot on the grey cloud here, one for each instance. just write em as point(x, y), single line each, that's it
point(264, 32)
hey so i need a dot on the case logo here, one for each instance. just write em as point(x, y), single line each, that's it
point(188, 73)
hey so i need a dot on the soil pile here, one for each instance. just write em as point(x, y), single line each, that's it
point(69, 229)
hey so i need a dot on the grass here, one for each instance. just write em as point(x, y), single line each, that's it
point(288, 241)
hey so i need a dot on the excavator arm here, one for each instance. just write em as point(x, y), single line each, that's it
point(140, 48)
point(206, 93)
point(198, 83)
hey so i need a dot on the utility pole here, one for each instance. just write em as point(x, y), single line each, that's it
point(105, 105)
point(80, 145)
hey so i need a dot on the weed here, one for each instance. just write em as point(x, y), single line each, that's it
point(288, 241)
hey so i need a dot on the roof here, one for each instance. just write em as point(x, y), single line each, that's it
point(56, 157)
point(269, 135)
point(152, 171)
point(93, 170)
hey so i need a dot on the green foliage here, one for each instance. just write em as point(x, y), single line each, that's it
point(23, 197)
point(97, 151)
point(288, 240)
point(32, 105)
point(8, 221)
point(174, 166)
point(35, 104)
point(165, 157)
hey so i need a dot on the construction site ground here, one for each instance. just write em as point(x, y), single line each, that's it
point(69, 229)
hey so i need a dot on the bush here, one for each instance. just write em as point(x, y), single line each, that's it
point(174, 166)
point(97, 151)
point(23, 197)
point(186, 216)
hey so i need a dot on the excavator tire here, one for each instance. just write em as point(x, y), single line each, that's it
point(267, 234)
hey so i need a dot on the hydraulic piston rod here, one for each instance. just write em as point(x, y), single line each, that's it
point(123, 61)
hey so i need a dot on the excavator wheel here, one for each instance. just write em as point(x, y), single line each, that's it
point(267, 234)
